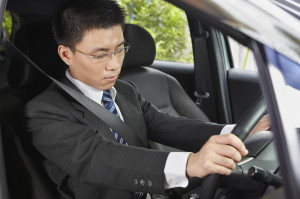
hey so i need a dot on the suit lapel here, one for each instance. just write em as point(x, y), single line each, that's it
point(95, 122)
point(129, 113)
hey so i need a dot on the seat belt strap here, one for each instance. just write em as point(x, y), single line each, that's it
point(106, 116)
point(201, 72)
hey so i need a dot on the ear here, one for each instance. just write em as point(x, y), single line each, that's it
point(65, 54)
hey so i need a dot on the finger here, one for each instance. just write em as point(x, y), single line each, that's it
point(216, 168)
point(265, 120)
point(229, 151)
point(265, 117)
point(224, 161)
point(232, 140)
point(262, 125)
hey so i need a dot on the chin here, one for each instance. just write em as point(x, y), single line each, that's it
point(108, 86)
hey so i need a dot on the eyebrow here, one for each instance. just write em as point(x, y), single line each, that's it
point(107, 49)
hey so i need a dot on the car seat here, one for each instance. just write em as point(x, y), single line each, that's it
point(25, 175)
point(161, 89)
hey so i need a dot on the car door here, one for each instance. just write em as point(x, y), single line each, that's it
point(275, 43)
point(242, 78)
point(231, 87)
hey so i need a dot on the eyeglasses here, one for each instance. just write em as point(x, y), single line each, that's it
point(105, 57)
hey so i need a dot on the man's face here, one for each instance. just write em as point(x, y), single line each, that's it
point(95, 72)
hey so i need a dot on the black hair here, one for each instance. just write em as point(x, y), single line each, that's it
point(73, 19)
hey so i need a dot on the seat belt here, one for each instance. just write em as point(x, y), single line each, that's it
point(109, 118)
point(201, 72)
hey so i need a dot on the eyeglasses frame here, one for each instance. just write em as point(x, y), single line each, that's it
point(126, 48)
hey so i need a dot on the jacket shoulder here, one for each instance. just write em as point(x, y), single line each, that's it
point(125, 84)
point(50, 97)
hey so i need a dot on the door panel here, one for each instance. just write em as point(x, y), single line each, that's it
point(4, 61)
point(244, 89)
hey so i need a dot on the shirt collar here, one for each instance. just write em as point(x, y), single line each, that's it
point(90, 92)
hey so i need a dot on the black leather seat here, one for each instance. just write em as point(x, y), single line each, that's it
point(25, 174)
point(161, 89)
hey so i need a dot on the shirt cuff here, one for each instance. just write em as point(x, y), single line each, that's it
point(175, 170)
point(227, 129)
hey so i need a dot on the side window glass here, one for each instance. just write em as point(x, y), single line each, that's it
point(242, 56)
point(166, 23)
point(4, 59)
point(7, 24)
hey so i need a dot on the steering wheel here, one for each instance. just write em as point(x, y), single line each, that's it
point(241, 130)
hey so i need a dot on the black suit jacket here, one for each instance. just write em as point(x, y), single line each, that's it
point(84, 159)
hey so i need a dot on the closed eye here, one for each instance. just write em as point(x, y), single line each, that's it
point(117, 52)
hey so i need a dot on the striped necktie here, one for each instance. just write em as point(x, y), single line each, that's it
point(109, 104)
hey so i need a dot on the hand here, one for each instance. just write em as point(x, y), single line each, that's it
point(263, 124)
point(218, 155)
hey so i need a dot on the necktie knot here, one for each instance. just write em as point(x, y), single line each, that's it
point(108, 102)
point(106, 97)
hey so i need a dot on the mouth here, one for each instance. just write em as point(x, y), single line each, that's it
point(111, 78)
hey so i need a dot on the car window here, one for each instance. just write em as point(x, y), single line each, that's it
point(167, 24)
point(4, 58)
point(7, 24)
point(242, 56)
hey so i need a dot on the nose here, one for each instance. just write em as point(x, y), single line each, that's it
point(113, 63)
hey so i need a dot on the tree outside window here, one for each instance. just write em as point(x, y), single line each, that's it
point(166, 23)
point(7, 24)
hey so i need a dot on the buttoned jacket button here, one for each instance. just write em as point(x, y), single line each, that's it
point(135, 182)
point(149, 183)
point(142, 182)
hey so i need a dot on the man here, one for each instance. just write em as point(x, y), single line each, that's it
point(88, 159)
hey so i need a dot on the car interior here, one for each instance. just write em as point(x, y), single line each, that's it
point(152, 78)
point(26, 82)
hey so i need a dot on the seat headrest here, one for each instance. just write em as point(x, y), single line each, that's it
point(37, 42)
point(142, 51)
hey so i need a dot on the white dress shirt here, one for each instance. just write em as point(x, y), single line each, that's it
point(175, 168)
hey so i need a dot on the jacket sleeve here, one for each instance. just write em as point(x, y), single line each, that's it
point(178, 132)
